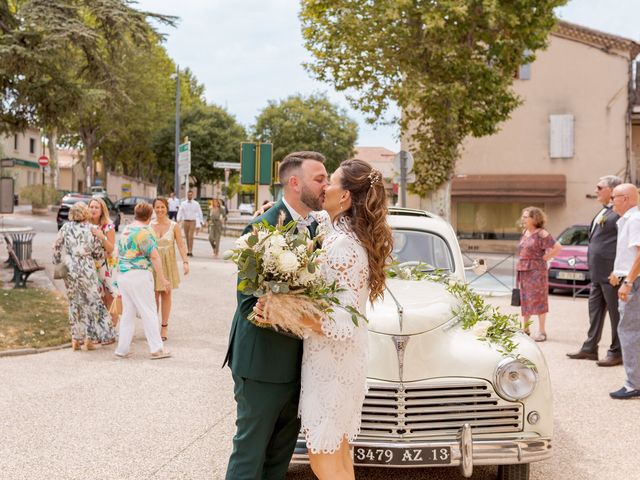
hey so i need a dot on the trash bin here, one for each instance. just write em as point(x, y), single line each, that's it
point(22, 244)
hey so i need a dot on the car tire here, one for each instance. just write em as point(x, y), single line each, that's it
point(513, 472)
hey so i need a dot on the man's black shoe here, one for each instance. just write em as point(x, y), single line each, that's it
point(580, 355)
point(609, 361)
point(624, 394)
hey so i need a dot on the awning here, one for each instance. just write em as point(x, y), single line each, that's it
point(509, 188)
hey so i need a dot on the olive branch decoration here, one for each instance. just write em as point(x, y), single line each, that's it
point(471, 311)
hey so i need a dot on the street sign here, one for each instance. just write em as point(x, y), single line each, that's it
point(266, 164)
point(398, 157)
point(184, 158)
point(43, 161)
point(229, 165)
point(248, 163)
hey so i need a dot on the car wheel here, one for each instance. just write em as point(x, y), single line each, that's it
point(513, 472)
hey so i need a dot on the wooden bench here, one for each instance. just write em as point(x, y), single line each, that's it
point(22, 268)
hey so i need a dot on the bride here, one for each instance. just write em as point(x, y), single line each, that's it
point(334, 362)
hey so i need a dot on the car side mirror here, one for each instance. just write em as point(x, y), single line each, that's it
point(479, 266)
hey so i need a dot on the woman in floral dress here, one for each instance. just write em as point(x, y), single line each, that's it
point(535, 249)
point(105, 231)
point(79, 249)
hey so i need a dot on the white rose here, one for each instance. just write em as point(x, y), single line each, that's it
point(241, 242)
point(306, 278)
point(481, 328)
point(405, 273)
point(287, 262)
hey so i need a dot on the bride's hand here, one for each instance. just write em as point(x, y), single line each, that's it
point(258, 309)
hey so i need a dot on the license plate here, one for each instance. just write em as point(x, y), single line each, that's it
point(571, 276)
point(402, 456)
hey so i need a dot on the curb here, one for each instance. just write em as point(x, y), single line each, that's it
point(30, 351)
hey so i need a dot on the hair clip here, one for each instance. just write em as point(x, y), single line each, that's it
point(374, 177)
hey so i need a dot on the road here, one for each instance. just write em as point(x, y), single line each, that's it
point(77, 415)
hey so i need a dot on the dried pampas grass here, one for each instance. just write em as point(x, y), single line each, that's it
point(292, 313)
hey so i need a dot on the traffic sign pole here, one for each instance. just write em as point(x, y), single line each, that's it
point(43, 161)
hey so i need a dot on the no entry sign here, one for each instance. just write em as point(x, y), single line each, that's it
point(43, 161)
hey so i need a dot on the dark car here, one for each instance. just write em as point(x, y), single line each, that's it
point(569, 270)
point(71, 198)
point(128, 204)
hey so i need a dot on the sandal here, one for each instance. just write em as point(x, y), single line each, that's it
point(164, 338)
point(160, 354)
point(540, 337)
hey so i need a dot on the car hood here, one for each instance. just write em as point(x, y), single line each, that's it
point(571, 251)
point(410, 307)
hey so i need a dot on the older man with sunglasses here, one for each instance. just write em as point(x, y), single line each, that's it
point(603, 297)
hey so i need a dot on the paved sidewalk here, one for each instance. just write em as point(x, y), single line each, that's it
point(78, 415)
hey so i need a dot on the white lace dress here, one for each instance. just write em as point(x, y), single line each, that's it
point(334, 365)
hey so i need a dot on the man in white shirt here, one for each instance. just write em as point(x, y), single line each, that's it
point(174, 205)
point(190, 214)
point(626, 269)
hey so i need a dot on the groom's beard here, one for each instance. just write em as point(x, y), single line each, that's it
point(310, 200)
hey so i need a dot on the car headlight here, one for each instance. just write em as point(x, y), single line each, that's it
point(514, 380)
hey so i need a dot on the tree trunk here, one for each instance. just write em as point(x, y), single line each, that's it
point(54, 167)
point(89, 139)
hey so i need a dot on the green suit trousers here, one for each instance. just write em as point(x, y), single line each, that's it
point(272, 421)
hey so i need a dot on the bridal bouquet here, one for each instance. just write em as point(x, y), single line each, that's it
point(281, 262)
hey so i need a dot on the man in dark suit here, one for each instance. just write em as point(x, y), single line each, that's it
point(603, 297)
point(265, 364)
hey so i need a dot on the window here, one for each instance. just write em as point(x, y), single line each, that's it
point(424, 247)
point(15, 142)
point(32, 145)
point(561, 136)
point(490, 221)
point(524, 71)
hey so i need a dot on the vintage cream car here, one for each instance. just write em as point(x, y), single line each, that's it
point(437, 396)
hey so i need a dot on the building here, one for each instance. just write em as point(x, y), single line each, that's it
point(71, 172)
point(576, 124)
point(382, 159)
point(22, 150)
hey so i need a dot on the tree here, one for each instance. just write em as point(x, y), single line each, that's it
point(448, 64)
point(63, 63)
point(215, 136)
point(311, 123)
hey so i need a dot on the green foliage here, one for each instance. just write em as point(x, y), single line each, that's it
point(489, 324)
point(40, 196)
point(307, 123)
point(215, 136)
point(448, 64)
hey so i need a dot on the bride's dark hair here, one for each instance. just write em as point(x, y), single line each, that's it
point(368, 215)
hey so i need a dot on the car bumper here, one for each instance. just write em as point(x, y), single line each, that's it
point(465, 451)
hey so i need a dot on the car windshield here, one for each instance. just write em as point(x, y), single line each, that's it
point(423, 247)
point(578, 235)
point(75, 199)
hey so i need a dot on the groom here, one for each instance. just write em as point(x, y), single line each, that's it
point(265, 364)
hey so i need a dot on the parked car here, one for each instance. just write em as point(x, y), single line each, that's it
point(71, 198)
point(128, 204)
point(246, 208)
point(569, 270)
point(437, 396)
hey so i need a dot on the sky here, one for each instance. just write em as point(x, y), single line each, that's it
point(247, 52)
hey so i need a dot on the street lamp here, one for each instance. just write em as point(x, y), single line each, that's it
point(176, 172)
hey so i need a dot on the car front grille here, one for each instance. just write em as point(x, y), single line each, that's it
point(436, 409)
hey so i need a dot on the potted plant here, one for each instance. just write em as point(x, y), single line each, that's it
point(40, 197)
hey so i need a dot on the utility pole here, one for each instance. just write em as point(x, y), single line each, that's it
point(176, 171)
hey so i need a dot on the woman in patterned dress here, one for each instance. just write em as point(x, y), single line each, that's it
point(535, 249)
point(216, 217)
point(105, 231)
point(78, 249)
point(168, 237)
point(335, 354)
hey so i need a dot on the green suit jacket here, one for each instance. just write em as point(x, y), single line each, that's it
point(261, 353)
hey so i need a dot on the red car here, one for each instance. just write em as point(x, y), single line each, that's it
point(569, 270)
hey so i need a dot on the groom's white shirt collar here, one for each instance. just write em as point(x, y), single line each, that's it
point(296, 216)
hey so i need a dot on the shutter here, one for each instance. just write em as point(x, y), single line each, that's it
point(561, 136)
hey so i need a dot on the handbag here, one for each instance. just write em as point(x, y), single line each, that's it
point(115, 310)
point(60, 271)
point(515, 297)
point(515, 293)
